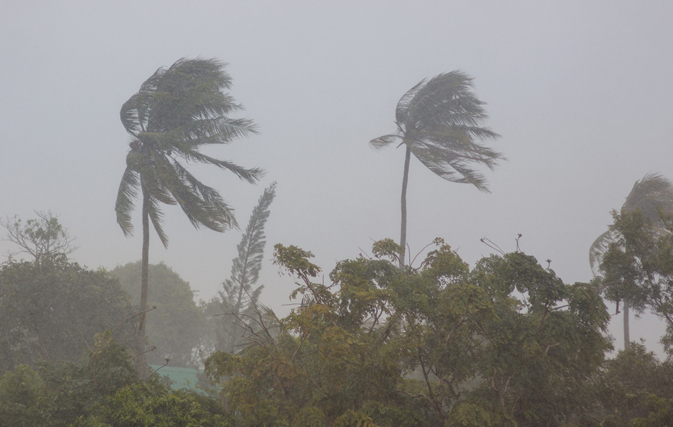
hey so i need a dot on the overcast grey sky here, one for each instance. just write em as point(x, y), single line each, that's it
point(579, 90)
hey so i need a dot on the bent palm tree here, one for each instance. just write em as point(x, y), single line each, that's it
point(439, 121)
point(651, 195)
point(175, 112)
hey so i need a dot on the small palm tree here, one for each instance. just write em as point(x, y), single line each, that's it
point(177, 111)
point(439, 121)
point(651, 195)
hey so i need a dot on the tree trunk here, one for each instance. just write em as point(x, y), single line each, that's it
point(403, 228)
point(141, 364)
point(627, 340)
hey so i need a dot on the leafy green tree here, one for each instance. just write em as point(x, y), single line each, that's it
point(628, 385)
point(102, 390)
point(639, 266)
point(52, 311)
point(177, 324)
point(176, 112)
point(235, 306)
point(150, 404)
point(507, 343)
point(43, 238)
point(21, 400)
point(57, 393)
point(652, 196)
point(440, 122)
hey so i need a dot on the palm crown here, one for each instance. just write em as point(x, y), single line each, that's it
point(175, 112)
point(439, 121)
point(651, 195)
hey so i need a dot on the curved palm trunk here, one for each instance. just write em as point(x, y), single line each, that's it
point(403, 228)
point(144, 284)
point(627, 340)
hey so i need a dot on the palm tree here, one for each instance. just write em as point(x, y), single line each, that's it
point(177, 111)
point(651, 195)
point(439, 121)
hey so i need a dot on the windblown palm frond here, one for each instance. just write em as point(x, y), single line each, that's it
point(440, 121)
point(652, 195)
point(175, 112)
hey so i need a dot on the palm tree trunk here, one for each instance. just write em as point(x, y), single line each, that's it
point(144, 284)
point(403, 227)
point(627, 341)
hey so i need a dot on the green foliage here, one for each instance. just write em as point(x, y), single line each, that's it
point(439, 120)
point(507, 343)
point(57, 393)
point(151, 404)
point(176, 326)
point(233, 309)
point(102, 390)
point(21, 399)
point(652, 199)
point(628, 386)
point(639, 266)
point(176, 112)
point(51, 311)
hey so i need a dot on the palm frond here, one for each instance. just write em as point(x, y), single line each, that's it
point(177, 110)
point(650, 195)
point(383, 141)
point(448, 165)
point(445, 99)
point(598, 249)
point(128, 190)
point(249, 175)
point(440, 121)
point(653, 196)
point(403, 103)
point(156, 215)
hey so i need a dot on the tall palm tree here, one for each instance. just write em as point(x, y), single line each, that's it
point(177, 111)
point(439, 121)
point(651, 195)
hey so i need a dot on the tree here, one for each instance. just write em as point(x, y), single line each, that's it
point(52, 311)
point(177, 111)
point(238, 300)
point(628, 383)
point(439, 121)
point(103, 389)
point(43, 238)
point(507, 343)
point(177, 325)
point(652, 196)
point(638, 268)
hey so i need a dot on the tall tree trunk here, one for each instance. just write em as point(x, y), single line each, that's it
point(627, 340)
point(144, 284)
point(403, 228)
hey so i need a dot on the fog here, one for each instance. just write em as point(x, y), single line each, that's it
point(580, 92)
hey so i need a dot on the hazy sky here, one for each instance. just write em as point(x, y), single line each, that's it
point(579, 90)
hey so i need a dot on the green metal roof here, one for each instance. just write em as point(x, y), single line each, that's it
point(183, 378)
